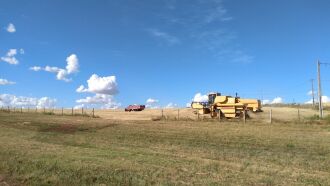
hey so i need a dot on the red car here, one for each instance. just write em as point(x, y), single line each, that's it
point(135, 108)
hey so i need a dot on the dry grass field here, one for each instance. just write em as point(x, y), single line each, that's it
point(279, 113)
point(130, 149)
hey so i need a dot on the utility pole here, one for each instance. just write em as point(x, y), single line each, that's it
point(312, 80)
point(319, 88)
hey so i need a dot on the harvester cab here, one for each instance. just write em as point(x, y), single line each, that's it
point(212, 97)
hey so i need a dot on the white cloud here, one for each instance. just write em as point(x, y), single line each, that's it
point(265, 102)
point(152, 101)
point(188, 105)
point(10, 57)
point(200, 98)
point(79, 106)
point(11, 28)
point(164, 36)
point(100, 85)
point(325, 99)
point(105, 101)
point(310, 93)
point(21, 101)
point(277, 100)
point(6, 82)
point(35, 68)
point(52, 69)
point(72, 64)
point(171, 105)
point(61, 74)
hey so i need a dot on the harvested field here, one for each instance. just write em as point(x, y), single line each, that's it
point(40, 149)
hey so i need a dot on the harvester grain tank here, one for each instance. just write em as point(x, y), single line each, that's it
point(229, 107)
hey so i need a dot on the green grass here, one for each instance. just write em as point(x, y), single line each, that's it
point(38, 149)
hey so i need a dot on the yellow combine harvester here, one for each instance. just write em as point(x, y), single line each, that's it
point(227, 106)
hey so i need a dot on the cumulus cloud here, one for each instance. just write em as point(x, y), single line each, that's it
point(171, 105)
point(105, 101)
point(277, 100)
point(61, 74)
point(325, 99)
point(11, 28)
point(310, 93)
point(35, 68)
point(21, 101)
point(10, 57)
point(100, 85)
point(200, 98)
point(104, 89)
point(266, 101)
point(6, 82)
point(152, 101)
point(72, 64)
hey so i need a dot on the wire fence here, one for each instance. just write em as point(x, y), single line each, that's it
point(269, 114)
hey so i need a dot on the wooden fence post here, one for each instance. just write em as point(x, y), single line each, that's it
point(178, 114)
point(72, 111)
point(82, 110)
point(219, 115)
point(8, 109)
point(244, 116)
point(298, 114)
point(270, 116)
point(162, 114)
point(62, 111)
point(93, 112)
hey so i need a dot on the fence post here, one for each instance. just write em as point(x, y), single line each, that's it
point(178, 114)
point(62, 111)
point(82, 110)
point(197, 115)
point(21, 110)
point(162, 114)
point(219, 115)
point(93, 112)
point(8, 109)
point(270, 116)
point(298, 114)
point(244, 116)
point(72, 111)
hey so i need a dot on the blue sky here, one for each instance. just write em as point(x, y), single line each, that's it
point(166, 50)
